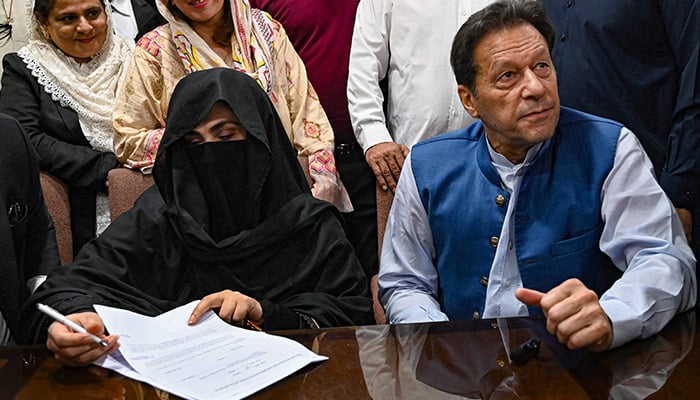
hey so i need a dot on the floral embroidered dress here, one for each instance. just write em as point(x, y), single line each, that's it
point(261, 49)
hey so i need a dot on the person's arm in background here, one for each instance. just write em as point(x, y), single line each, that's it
point(40, 252)
point(369, 63)
point(312, 135)
point(139, 119)
point(680, 177)
point(407, 276)
point(78, 166)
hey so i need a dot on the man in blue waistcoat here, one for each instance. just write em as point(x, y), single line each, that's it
point(534, 208)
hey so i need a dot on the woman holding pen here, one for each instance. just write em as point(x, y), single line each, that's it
point(230, 221)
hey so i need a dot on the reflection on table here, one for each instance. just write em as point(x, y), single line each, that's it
point(450, 360)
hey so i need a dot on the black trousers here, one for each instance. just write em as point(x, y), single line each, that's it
point(361, 224)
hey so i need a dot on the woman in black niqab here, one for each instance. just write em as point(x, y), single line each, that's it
point(274, 176)
point(233, 215)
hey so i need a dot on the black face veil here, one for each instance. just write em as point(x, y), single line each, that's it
point(206, 204)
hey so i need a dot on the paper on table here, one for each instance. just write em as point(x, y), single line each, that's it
point(209, 360)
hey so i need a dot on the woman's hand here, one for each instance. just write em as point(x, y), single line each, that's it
point(78, 349)
point(234, 307)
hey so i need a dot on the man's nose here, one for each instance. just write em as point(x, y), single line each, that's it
point(533, 85)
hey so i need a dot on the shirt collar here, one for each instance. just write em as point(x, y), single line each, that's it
point(499, 160)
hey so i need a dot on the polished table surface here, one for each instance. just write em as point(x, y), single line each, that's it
point(449, 360)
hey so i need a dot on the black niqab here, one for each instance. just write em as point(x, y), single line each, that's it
point(274, 175)
point(222, 174)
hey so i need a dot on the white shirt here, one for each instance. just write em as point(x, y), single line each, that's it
point(642, 235)
point(409, 42)
point(124, 20)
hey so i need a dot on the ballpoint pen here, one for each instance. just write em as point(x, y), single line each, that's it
point(65, 321)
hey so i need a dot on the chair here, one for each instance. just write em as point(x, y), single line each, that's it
point(384, 200)
point(58, 204)
point(125, 186)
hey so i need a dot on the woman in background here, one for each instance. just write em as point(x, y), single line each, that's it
point(230, 34)
point(61, 87)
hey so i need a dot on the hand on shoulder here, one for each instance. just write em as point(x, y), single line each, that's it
point(386, 160)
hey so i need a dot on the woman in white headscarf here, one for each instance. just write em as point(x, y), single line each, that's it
point(61, 87)
point(229, 34)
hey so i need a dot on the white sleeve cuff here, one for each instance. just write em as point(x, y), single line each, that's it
point(626, 325)
point(371, 134)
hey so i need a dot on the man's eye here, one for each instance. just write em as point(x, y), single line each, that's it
point(505, 75)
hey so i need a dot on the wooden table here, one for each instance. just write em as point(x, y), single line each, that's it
point(452, 360)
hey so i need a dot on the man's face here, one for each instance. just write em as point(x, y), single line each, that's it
point(516, 94)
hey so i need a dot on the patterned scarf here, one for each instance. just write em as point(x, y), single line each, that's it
point(251, 43)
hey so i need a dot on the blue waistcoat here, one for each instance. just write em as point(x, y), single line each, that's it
point(557, 218)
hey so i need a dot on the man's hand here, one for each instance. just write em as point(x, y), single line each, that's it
point(233, 307)
point(687, 221)
point(78, 349)
point(386, 160)
point(573, 315)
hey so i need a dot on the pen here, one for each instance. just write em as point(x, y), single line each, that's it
point(248, 324)
point(65, 321)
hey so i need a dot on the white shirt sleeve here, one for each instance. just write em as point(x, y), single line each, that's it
point(124, 20)
point(369, 61)
point(644, 238)
point(407, 274)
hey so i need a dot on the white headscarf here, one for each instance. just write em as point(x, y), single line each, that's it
point(90, 88)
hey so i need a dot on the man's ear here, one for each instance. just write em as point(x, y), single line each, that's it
point(467, 98)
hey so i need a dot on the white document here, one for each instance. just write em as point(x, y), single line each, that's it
point(208, 360)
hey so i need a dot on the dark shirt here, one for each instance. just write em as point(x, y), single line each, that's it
point(321, 32)
point(637, 62)
point(147, 16)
